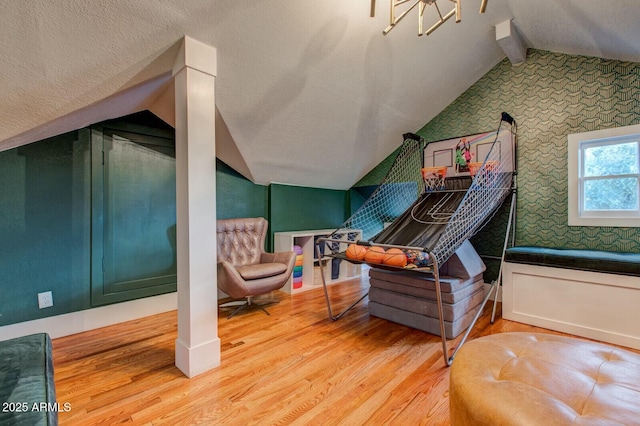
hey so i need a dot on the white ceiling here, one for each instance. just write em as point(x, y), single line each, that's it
point(308, 92)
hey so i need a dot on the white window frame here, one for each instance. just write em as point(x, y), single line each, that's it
point(576, 142)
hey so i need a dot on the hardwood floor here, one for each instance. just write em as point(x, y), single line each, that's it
point(295, 366)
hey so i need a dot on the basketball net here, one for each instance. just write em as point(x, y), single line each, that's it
point(434, 178)
point(486, 174)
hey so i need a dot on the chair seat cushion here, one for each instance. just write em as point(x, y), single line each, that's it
point(261, 270)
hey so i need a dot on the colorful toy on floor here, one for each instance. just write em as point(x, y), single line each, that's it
point(297, 269)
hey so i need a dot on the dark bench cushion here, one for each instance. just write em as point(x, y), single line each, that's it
point(584, 260)
point(26, 378)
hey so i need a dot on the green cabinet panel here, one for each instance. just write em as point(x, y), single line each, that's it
point(91, 235)
point(134, 215)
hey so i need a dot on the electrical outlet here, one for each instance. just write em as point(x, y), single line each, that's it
point(45, 300)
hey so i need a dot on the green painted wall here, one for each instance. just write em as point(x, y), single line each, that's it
point(295, 208)
point(286, 207)
point(45, 221)
point(236, 196)
point(357, 199)
point(45, 224)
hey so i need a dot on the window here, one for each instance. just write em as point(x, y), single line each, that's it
point(604, 177)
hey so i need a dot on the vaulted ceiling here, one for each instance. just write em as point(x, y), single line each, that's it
point(307, 92)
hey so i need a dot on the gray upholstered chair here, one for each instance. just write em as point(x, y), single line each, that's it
point(245, 270)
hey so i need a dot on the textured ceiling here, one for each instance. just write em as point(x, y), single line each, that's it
point(308, 92)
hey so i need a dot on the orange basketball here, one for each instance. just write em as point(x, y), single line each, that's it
point(374, 255)
point(395, 257)
point(356, 252)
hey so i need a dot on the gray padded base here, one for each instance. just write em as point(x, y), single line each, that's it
point(448, 284)
point(461, 293)
point(421, 322)
point(408, 297)
point(450, 312)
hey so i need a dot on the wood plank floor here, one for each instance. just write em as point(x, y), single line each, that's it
point(295, 366)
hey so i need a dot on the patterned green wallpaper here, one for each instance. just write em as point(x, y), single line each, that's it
point(550, 96)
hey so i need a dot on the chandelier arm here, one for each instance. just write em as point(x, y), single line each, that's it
point(395, 20)
point(441, 21)
point(420, 16)
point(393, 4)
point(438, 10)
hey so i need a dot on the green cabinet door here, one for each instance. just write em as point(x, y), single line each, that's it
point(134, 215)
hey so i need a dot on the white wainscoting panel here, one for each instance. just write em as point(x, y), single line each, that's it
point(594, 305)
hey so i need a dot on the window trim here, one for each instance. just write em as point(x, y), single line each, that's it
point(594, 218)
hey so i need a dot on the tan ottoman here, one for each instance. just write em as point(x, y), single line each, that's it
point(542, 379)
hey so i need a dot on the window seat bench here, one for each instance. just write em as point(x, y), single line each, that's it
point(582, 260)
point(589, 293)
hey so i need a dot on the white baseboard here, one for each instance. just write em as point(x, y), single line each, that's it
point(89, 319)
point(589, 304)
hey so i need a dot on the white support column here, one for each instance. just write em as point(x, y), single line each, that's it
point(197, 345)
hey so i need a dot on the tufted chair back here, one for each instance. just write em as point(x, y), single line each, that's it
point(245, 270)
point(241, 241)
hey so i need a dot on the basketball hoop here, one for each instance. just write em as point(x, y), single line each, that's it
point(434, 178)
point(490, 167)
